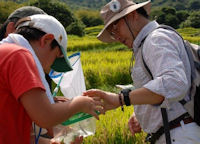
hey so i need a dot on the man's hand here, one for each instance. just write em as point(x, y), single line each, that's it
point(134, 125)
point(110, 100)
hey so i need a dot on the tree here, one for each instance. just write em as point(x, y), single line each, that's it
point(193, 20)
point(6, 8)
point(57, 9)
point(194, 5)
point(155, 13)
point(182, 15)
point(61, 12)
point(89, 17)
point(180, 6)
point(76, 28)
point(166, 15)
point(172, 20)
point(169, 10)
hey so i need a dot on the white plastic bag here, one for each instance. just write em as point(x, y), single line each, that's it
point(72, 84)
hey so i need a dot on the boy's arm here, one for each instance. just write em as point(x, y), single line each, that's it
point(43, 140)
point(46, 115)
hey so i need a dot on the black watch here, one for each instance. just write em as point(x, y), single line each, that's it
point(125, 93)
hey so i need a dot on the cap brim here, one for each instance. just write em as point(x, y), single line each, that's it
point(62, 64)
point(105, 36)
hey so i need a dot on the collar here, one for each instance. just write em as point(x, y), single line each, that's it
point(146, 30)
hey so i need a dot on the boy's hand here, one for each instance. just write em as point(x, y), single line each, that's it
point(88, 105)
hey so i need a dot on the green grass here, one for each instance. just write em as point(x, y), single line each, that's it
point(93, 31)
point(112, 128)
point(91, 43)
point(106, 68)
point(191, 34)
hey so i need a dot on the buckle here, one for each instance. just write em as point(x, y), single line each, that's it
point(148, 137)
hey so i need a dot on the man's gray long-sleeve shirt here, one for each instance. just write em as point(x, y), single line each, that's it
point(165, 56)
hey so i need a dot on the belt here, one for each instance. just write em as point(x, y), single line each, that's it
point(153, 137)
point(186, 121)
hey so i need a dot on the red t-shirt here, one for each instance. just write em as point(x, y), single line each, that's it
point(18, 74)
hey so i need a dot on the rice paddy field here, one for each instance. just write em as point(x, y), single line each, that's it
point(104, 66)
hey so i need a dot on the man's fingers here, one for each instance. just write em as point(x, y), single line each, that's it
point(97, 98)
point(94, 93)
point(95, 115)
point(99, 103)
point(89, 92)
point(100, 109)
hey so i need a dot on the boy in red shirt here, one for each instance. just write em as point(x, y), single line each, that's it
point(38, 46)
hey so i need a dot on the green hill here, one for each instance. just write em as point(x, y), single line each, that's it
point(97, 4)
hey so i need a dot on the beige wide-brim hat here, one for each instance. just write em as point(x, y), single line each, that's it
point(115, 10)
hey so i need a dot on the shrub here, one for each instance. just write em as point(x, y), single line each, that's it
point(193, 20)
point(76, 28)
point(89, 17)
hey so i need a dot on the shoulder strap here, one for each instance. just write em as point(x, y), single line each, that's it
point(189, 53)
point(187, 46)
point(166, 125)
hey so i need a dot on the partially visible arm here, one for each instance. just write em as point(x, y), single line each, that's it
point(47, 115)
point(137, 97)
point(59, 99)
point(43, 140)
point(145, 96)
point(163, 52)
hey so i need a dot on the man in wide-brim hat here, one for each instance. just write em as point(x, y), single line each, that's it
point(116, 11)
point(161, 73)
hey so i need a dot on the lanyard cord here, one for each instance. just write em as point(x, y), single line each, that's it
point(125, 19)
point(38, 136)
point(57, 86)
point(132, 58)
point(131, 63)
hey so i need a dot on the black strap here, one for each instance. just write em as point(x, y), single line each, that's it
point(197, 106)
point(166, 125)
point(152, 138)
point(145, 65)
point(125, 93)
